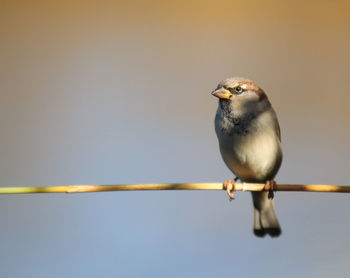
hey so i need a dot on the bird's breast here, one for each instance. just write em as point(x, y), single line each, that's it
point(252, 152)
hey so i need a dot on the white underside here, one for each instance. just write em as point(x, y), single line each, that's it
point(255, 156)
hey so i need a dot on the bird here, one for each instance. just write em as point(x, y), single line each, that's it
point(249, 139)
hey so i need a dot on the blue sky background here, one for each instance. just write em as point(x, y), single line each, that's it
point(103, 92)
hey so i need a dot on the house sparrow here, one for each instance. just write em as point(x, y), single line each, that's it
point(250, 143)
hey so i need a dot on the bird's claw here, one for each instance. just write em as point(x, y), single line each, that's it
point(271, 186)
point(229, 186)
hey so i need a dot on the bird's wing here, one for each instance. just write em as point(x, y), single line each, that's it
point(278, 130)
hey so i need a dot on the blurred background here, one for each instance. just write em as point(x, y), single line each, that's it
point(106, 92)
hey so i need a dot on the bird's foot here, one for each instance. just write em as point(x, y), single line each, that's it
point(270, 186)
point(229, 186)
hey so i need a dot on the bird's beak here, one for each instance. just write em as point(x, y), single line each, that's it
point(222, 93)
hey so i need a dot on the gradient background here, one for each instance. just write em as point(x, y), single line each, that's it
point(103, 92)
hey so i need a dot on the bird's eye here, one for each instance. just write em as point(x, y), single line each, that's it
point(238, 90)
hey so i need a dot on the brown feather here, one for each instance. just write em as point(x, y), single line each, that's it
point(279, 132)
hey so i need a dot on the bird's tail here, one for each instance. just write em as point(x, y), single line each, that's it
point(265, 218)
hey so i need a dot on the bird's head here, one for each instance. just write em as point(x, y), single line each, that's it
point(240, 94)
